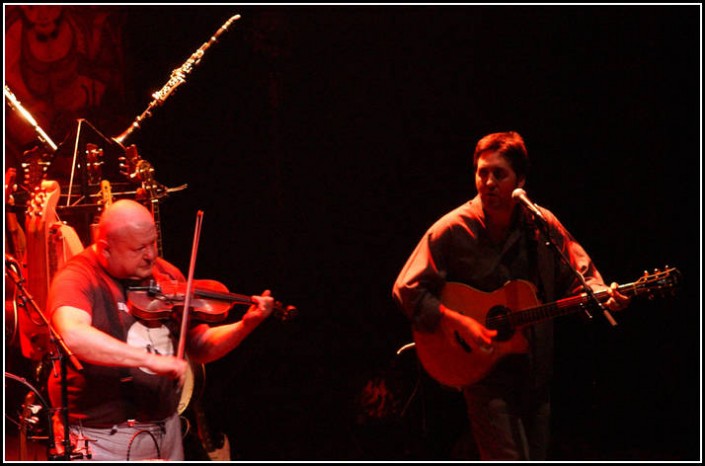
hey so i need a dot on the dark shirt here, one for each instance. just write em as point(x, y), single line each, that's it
point(102, 396)
point(458, 248)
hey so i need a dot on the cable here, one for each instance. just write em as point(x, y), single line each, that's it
point(137, 434)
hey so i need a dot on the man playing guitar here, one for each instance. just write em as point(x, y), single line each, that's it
point(484, 244)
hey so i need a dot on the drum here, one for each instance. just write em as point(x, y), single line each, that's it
point(26, 421)
point(193, 386)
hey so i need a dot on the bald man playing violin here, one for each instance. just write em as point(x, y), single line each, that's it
point(124, 402)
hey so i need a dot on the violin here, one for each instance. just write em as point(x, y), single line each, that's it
point(210, 301)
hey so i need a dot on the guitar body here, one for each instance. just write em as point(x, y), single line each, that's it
point(15, 245)
point(456, 363)
point(41, 214)
point(50, 244)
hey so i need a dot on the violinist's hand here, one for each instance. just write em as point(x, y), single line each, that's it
point(617, 301)
point(168, 366)
point(261, 309)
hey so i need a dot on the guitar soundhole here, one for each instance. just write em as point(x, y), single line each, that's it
point(498, 319)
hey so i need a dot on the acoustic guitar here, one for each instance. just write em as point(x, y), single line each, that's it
point(453, 362)
point(15, 245)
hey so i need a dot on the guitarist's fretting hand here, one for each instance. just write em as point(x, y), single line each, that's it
point(468, 329)
point(617, 301)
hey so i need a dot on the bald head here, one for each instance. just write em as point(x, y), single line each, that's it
point(126, 242)
point(122, 217)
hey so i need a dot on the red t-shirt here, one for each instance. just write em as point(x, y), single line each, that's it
point(102, 396)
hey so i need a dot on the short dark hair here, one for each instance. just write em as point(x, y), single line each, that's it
point(510, 145)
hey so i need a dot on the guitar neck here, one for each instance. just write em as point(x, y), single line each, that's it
point(574, 304)
point(552, 310)
point(158, 226)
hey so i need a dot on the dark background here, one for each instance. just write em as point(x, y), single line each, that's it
point(321, 142)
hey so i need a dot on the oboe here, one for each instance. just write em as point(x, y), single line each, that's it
point(178, 77)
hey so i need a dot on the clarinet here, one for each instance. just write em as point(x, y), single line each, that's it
point(178, 77)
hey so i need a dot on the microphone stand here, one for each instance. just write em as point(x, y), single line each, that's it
point(13, 269)
point(543, 229)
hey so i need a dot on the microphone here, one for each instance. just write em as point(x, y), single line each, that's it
point(520, 196)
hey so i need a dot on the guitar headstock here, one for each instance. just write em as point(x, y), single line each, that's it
point(94, 161)
point(41, 208)
point(134, 167)
point(35, 164)
point(128, 162)
point(106, 194)
point(658, 282)
point(43, 203)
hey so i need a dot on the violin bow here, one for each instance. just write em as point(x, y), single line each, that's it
point(189, 285)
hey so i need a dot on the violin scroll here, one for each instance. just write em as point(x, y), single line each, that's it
point(284, 313)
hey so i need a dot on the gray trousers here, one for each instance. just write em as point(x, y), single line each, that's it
point(509, 426)
point(128, 441)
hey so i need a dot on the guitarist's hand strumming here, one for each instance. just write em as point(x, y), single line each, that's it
point(466, 330)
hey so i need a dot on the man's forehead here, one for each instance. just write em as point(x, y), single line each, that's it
point(492, 159)
point(141, 232)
